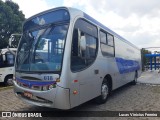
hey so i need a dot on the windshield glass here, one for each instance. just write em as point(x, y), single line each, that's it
point(42, 49)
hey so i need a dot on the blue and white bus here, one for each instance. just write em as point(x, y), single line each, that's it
point(65, 58)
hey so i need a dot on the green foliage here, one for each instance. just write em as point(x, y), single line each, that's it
point(11, 19)
point(144, 59)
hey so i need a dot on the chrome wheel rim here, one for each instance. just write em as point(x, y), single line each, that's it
point(135, 79)
point(104, 91)
point(9, 81)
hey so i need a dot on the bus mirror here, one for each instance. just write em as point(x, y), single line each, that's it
point(10, 40)
point(83, 43)
point(14, 40)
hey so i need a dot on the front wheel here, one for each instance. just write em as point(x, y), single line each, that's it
point(8, 80)
point(104, 93)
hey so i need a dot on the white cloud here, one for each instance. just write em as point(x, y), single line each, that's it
point(31, 7)
point(137, 21)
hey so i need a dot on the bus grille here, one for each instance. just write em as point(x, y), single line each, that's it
point(38, 88)
point(35, 98)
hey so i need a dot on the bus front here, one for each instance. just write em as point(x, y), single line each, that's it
point(39, 59)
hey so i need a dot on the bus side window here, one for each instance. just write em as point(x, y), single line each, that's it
point(84, 50)
point(77, 61)
point(107, 44)
point(9, 60)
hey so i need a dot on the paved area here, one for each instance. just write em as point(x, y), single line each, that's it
point(150, 77)
point(140, 97)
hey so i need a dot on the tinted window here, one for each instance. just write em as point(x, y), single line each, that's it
point(10, 59)
point(103, 37)
point(86, 27)
point(107, 44)
point(110, 40)
point(107, 50)
point(84, 46)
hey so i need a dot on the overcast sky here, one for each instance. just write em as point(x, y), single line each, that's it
point(136, 20)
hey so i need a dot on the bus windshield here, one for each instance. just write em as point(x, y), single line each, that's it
point(42, 49)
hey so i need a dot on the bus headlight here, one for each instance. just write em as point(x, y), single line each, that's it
point(45, 88)
point(52, 86)
point(49, 87)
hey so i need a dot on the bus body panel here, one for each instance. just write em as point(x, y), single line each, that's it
point(4, 72)
point(127, 53)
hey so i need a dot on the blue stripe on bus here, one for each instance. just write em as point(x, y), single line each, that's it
point(35, 83)
point(125, 66)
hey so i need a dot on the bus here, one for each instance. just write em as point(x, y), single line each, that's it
point(7, 59)
point(66, 58)
point(7, 65)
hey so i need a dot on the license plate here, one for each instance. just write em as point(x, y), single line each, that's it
point(28, 94)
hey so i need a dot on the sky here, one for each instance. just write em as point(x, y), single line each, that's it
point(138, 21)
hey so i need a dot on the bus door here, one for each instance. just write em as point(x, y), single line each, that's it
point(83, 57)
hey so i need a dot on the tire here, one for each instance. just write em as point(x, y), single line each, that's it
point(134, 82)
point(8, 81)
point(104, 93)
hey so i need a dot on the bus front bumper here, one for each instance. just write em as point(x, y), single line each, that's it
point(55, 98)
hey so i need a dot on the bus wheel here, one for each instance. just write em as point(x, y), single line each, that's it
point(8, 80)
point(104, 93)
point(135, 78)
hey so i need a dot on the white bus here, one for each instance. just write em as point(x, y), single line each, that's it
point(6, 65)
point(65, 58)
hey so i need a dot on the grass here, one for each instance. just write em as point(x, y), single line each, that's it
point(6, 88)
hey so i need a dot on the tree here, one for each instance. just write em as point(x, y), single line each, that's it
point(11, 19)
point(143, 57)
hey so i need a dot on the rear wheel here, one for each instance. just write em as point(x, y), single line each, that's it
point(104, 93)
point(135, 78)
point(8, 80)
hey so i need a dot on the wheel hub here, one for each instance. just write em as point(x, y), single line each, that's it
point(104, 91)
